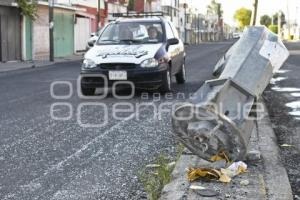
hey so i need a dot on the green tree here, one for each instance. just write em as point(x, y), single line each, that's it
point(215, 8)
point(243, 16)
point(130, 5)
point(28, 8)
point(274, 28)
point(275, 19)
point(265, 20)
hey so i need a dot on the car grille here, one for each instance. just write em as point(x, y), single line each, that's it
point(117, 66)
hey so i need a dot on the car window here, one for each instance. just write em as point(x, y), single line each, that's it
point(175, 32)
point(169, 31)
point(139, 32)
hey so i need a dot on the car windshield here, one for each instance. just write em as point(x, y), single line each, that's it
point(132, 32)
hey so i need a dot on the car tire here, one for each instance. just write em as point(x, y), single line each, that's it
point(166, 82)
point(88, 91)
point(181, 75)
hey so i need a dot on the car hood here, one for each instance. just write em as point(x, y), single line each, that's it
point(122, 53)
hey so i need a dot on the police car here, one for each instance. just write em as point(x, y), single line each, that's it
point(145, 50)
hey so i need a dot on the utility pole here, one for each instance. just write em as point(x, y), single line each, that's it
point(279, 24)
point(51, 31)
point(220, 21)
point(254, 13)
point(198, 28)
point(288, 19)
point(185, 19)
point(98, 15)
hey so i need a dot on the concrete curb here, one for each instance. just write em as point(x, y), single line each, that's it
point(13, 66)
point(267, 176)
point(275, 176)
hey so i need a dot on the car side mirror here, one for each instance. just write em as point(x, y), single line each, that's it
point(91, 43)
point(172, 41)
point(93, 34)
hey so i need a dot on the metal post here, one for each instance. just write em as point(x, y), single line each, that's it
point(185, 19)
point(279, 24)
point(254, 13)
point(220, 116)
point(219, 23)
point(198, 28)
point(98, 15)
point(51, 31)
point(288, 19)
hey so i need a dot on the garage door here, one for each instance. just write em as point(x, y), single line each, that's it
point(10, 38)
point(63, 34)
point(82, 33)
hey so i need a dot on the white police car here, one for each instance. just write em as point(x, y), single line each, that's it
point(146, 51)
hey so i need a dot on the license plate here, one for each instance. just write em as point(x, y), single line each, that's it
point(117, 75)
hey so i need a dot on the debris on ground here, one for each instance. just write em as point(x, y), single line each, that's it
point(221, 174)
point(197, 187)
point(220, 156)
point(286, 145)
point(171, 164)
point(236, 168)
point(244, 182)
point(152, 166)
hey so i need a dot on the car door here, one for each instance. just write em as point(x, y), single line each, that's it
point(172, 49)
point(179, 49)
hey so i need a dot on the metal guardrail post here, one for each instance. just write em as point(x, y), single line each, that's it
point(218, 116)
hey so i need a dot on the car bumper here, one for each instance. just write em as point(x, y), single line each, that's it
point(140, 77)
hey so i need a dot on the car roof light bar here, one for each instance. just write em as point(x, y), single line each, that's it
point(141, 14)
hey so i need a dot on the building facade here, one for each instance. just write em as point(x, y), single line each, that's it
point(10, 31)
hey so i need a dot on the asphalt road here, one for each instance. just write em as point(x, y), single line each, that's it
point(283, 101)
point(45, 158)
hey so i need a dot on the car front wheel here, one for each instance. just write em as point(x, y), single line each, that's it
point(181, 76)
point(166, 82)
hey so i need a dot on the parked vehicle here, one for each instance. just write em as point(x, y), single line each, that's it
point(237, 35)
point(146, 51)
point(94, 37)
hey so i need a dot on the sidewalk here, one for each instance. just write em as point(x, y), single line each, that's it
point(266, 175)
point(16, 65)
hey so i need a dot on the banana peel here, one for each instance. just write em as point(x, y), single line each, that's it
point(222, 175)
point(207, 173)
point(220, 156)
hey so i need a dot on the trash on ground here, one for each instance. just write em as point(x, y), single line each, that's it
point(197, 187)
point(286, 145)
point(152, 166)
point(220, 156)
point(223, 175)
point(171, 164)
point(196, 173)
point(244, 182)
point(237, 168)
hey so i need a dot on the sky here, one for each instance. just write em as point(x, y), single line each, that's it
point(268, 7)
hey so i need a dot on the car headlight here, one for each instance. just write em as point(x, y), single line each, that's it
point(151, 62)
point(88, 64)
